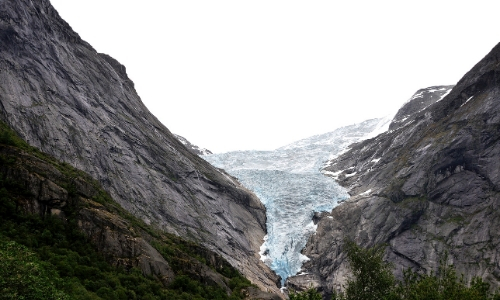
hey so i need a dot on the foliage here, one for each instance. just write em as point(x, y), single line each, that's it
point(310, 294)
point(45, 257)
point(445, 285)
point(373, 280)
point(23, 275)
point(8, 136)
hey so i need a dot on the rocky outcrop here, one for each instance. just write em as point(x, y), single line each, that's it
point(80, 106)
point(49, 191)
point(254, 293)
point(428, 186)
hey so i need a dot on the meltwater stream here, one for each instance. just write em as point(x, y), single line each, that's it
point(289, 183)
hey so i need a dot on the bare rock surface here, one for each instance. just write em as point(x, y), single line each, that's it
point(80, 106)
point(428, 186)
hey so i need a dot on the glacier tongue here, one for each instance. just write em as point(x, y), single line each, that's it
point(289, 183)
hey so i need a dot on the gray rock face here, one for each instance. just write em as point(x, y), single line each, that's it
point(422, 99)
point(80, 106)
point(428, 186)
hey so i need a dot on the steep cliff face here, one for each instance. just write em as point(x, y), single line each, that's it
point(429, 185)
point(80, 106)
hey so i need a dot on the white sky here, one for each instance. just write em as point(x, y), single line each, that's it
point(241, 75)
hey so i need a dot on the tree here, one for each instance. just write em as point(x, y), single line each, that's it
point(373, 279)
point(23, 275)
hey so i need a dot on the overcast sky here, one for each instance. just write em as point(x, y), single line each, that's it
point(242, 75)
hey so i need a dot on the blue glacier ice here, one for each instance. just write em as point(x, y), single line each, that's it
point(290, 184)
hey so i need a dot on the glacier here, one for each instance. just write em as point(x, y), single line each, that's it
point(290, 184)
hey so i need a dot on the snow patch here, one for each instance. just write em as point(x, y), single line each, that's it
point(444, 95)
point(334, 175)
point(366, 193)
point(467, 101)
point(416, 96)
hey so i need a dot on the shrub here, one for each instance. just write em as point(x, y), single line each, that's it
point(372, 279)
point(310, 294)
point(24, 276)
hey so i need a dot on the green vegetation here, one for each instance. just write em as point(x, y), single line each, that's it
point(372, 279)
point(24, 276)
point(46, 257)
point(51, 246)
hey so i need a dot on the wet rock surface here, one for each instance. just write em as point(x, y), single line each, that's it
point(80, 106)
point(428, 186)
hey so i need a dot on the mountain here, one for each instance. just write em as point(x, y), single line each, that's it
point(193, 148)
point(427, 187)
point(80, 107)
point(289, 182)
point(63, 237)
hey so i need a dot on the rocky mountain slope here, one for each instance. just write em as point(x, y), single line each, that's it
point(65, 219)
point(427, 187)
point(422, 99)
point(79, 106)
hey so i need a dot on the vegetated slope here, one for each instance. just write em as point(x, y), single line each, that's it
point(79, 106)
point(63, 237)
point(427, 187)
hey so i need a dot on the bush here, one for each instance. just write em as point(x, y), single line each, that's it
point(24, 276)
point(372, 279)
point(310, 294)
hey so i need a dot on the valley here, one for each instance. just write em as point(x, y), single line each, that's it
point(100, 200)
